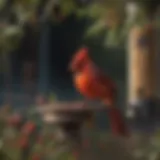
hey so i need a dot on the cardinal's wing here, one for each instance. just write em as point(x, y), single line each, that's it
point(104, 82)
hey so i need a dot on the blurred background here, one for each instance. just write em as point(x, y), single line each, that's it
point(39, 37)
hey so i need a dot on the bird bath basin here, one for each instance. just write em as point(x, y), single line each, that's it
point(69, 117)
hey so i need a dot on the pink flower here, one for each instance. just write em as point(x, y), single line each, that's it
point(14, 120)
point(28, 128)
point(23, 142)
point(41, 100)
point(76, 154)
point(36, 157)
point(40, 140)
point(86, 143)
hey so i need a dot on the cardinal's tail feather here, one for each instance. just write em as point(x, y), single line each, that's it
point(117, 122)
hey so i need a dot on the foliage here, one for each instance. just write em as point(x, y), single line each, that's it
point(10, 37)
point(113, 17)
point(109, 14)
point(41, 143)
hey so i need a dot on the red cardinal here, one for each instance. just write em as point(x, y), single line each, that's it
point(92, 83)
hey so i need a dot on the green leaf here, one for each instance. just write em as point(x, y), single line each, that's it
point(113, 38)
point(68, 7)
point(81, 12)
point(52, 97)
point(153, 155)
point(12, 31)
point(95, 29)
point(2, 3)
point(10, 37)
point(96, 10)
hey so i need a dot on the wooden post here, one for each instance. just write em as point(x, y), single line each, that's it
point(141, 61)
